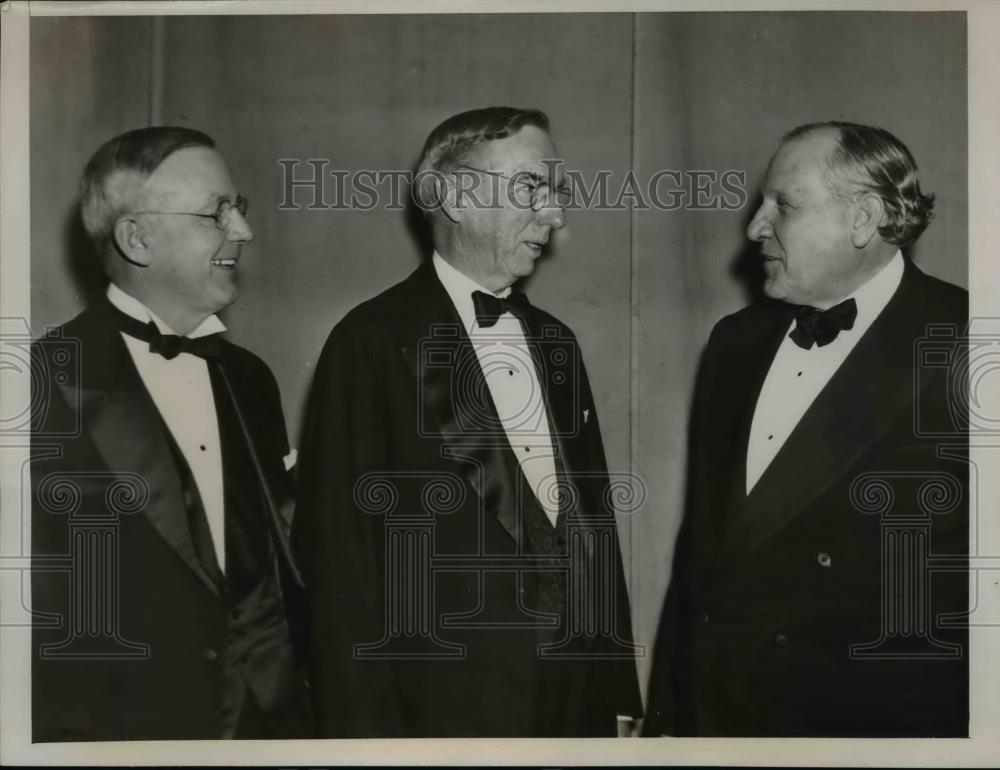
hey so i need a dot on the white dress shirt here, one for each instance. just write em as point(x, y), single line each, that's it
point(513, 383)
point(516, 390)
point(182, 392)
point(797, 376)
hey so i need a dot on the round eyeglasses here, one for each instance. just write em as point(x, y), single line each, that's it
point(223, 214)
point(539, 190)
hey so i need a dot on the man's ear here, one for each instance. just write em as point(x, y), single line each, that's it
point(868, 213)
point(132, 242)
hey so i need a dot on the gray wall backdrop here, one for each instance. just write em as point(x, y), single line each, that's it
point(641, 288)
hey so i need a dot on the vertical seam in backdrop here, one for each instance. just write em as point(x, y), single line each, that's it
point(157, 31)
point(633, 368)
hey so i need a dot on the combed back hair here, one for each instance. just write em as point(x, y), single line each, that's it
point(873, 160)
point(114, 173)
point(449, 144)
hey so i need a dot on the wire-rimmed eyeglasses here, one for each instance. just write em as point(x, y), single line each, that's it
point(223, 214)
point(540, 191)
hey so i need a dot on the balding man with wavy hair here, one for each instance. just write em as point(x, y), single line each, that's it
point(801, 601)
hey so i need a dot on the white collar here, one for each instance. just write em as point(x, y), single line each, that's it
point(460, 287)
point(872, 296)
point(133, 307)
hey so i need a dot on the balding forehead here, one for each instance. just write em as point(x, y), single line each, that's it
point(815, 148)
point(193, 176)
point(530, 145)
point(819, 144)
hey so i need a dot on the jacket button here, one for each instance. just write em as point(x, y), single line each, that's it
point(781, 641)
point(703, 618)
point(824, 559)
point(210, 655)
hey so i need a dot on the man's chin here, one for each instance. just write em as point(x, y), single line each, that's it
point(224, 297)
point(522, 268)
point(774, 289)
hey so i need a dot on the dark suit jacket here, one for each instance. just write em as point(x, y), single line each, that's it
point(151, 667)
point(399, 397)
point(770, 591)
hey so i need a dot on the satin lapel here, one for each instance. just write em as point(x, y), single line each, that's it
point(750, 364)
point(127, 431)
point(559, 369)
point(558, 365)
point(865, 396)
point(718, 479)
point(456, 400)
point(278, 500)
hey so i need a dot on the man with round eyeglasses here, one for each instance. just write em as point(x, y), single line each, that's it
point(455, 526)
point(525, 189)
point(173, 439)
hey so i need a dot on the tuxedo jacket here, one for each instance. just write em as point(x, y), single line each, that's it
point(401, 433)
point(138, 653)
point(831, 600)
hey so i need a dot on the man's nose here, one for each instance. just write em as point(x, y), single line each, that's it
point(552, 214)
point(238, 229)
point(760, 226)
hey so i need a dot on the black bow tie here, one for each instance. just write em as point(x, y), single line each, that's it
point(823, 326)
point(169, 345)
point(490, 307)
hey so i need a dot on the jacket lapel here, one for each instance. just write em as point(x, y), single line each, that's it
point(729, 389)
point(128, 432)
point(557, 365)
point(559, 370)
point(456, 398)
point(751, 364)
point(864, 397)
point(278, 500)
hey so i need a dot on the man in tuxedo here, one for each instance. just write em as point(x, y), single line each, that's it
point(819, 578)
point(162, 574)
point(458, 546)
